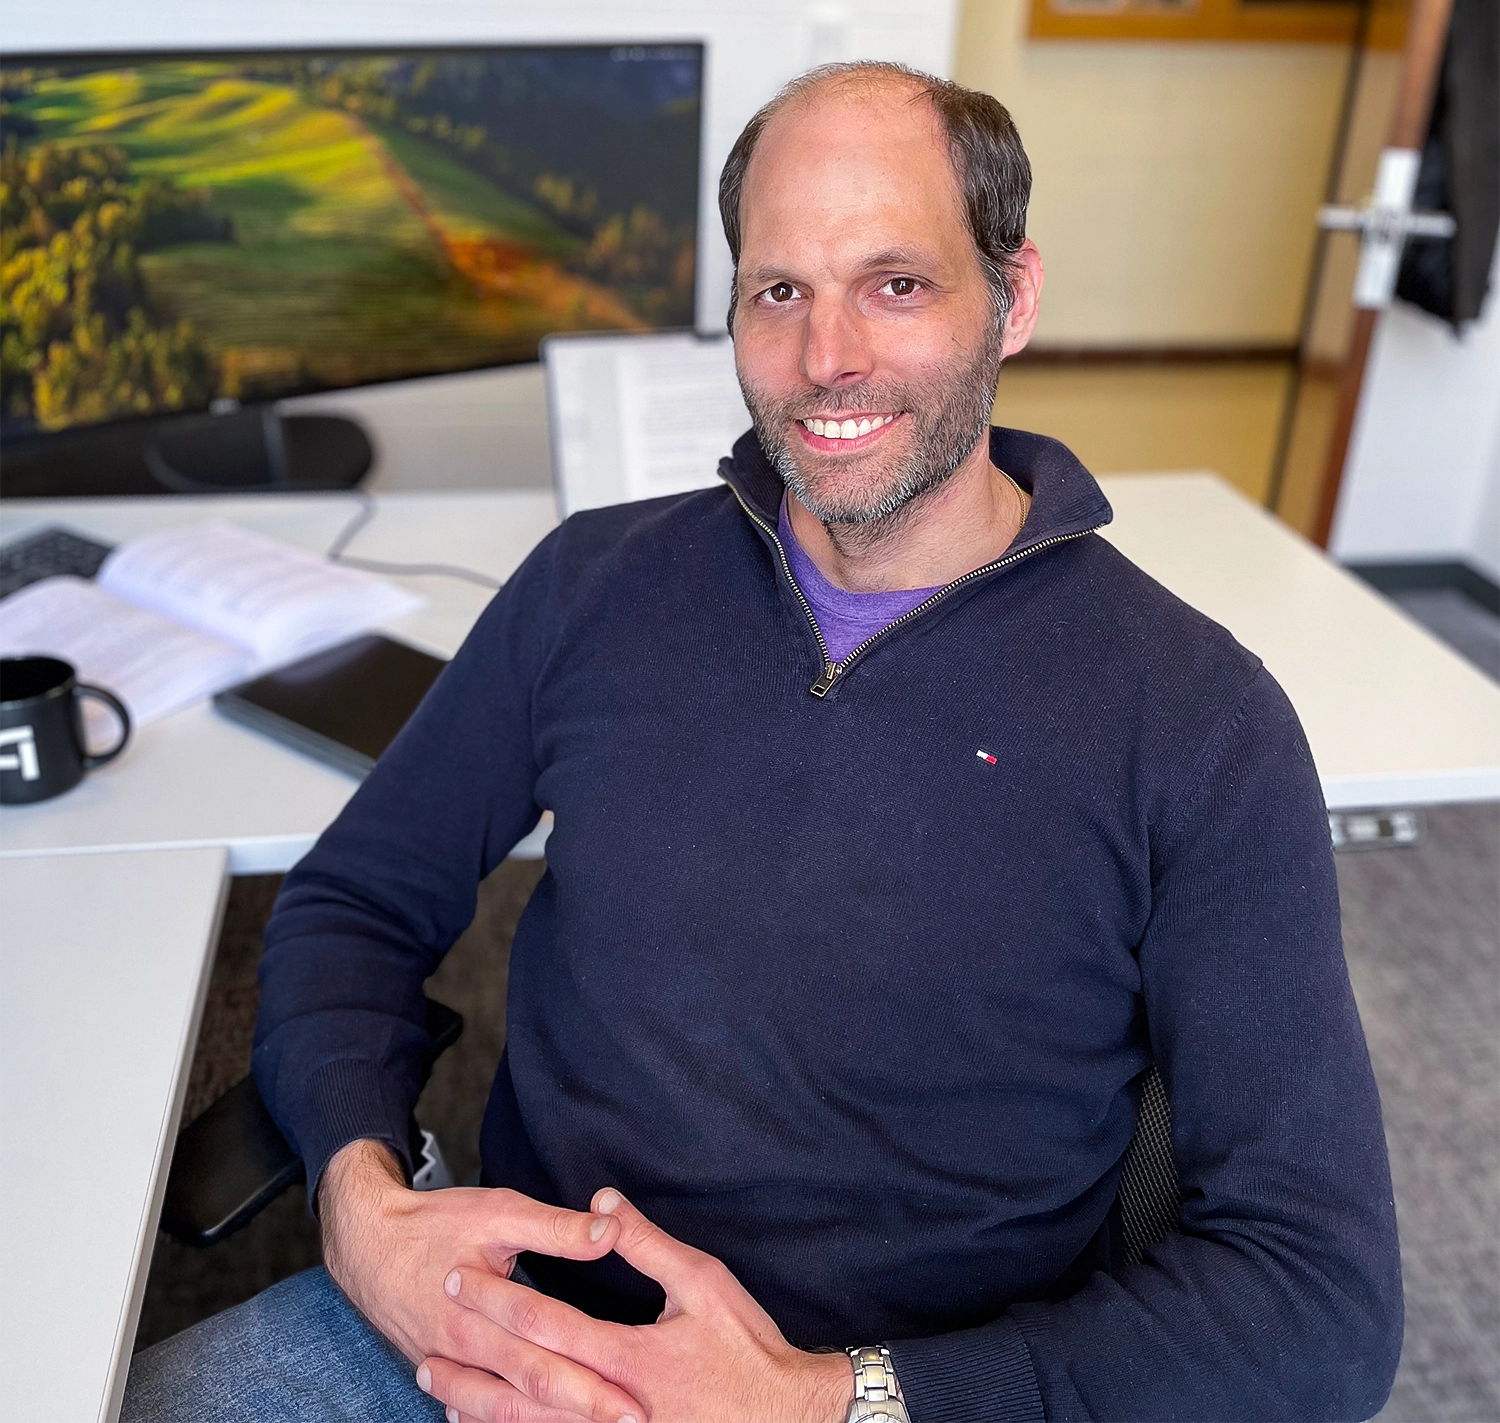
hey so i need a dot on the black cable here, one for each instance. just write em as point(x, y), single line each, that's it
point(363, 515)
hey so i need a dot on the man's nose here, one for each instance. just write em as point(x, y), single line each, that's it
point(835, 350)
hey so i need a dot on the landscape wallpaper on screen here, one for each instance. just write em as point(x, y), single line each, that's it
point(177, 230)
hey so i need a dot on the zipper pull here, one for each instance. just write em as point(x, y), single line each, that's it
point(821, 686)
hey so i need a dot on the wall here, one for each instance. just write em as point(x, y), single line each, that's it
point(1423, 477)
point(467, 431)
point(1175, 183)
point(1484, 537)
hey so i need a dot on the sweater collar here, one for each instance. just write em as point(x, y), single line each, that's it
point(1065, 497)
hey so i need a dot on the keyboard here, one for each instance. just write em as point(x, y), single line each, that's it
point(46, 553)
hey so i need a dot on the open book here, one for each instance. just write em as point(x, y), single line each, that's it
point(177, 615)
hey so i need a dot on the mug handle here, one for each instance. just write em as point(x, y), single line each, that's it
point(118, 708)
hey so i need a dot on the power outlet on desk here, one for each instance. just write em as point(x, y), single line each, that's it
point(1376, 829)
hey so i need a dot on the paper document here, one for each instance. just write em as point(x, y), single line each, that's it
point(280, 601)
point(180, 614)
point(638, 415)
point(151, 663)
point(681, 412)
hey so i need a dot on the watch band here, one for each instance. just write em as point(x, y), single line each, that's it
point(877, 1391)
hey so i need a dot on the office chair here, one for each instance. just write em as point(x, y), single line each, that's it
point(1150, 1198)
point(232, 1161)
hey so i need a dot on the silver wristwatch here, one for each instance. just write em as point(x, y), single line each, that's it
point(877, 1395)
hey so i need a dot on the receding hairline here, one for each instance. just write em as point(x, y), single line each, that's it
point(861, 82)
point(869, 76)
point(867, 82)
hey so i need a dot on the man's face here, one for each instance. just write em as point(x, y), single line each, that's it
point(865, 333)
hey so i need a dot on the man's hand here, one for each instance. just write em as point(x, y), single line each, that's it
point(390, 1248)
point(714, 1356)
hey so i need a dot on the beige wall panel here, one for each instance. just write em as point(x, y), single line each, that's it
point(1176, 184)
point(1123, 419)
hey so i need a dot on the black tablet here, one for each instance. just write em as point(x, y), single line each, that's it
point(343, 706)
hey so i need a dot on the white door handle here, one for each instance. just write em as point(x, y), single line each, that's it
point(1384, 224)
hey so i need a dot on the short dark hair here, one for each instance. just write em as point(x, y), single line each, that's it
point(993, 171)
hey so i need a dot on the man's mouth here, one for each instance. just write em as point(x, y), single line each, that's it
point(841, 431)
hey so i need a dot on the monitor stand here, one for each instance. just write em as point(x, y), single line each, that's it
point(245, 450)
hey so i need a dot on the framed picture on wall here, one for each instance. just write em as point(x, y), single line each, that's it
point(1318, 21)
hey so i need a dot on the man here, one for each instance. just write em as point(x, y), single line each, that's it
point(901, 826)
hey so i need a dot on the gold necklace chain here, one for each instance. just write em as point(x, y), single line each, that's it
point(1023, 497)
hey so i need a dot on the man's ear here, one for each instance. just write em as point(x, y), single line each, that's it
point(1026, 291)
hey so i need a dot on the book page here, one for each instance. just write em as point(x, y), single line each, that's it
point(152, 664)
point(279, 601)
point(681, 412)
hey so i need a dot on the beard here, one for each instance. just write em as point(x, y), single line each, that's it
point(948, 416)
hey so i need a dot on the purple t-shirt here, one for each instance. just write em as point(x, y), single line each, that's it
point(845, 619)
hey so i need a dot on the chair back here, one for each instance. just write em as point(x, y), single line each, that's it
point(1150, 1198)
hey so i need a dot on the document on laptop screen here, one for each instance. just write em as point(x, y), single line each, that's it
point(682, 412)
point(638, 416)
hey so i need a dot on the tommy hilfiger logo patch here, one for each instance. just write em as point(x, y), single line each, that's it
point(985, 756)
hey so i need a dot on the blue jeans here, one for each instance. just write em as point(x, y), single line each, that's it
point(297, 1353)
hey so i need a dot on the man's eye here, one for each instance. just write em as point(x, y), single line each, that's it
point(902, 286)
point(780, 293)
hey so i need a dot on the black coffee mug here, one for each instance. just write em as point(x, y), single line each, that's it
point(42, 748)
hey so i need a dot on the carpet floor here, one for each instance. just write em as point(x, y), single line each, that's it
point(1468, 627)
point(187, 1284)
point(1422, 934)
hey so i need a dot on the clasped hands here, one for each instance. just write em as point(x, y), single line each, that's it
point(431, 1272)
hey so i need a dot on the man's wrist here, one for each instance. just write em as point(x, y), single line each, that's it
point(362, 1170)
point(830, 1388)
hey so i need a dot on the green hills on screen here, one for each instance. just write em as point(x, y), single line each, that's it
point(177, 231)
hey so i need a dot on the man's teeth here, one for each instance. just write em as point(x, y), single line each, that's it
point(847, 429)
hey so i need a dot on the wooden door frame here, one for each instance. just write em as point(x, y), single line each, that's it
point(1426, 40)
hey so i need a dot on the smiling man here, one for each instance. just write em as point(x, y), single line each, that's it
point(902, 827)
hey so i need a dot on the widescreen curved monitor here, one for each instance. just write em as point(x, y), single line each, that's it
point(181, 232)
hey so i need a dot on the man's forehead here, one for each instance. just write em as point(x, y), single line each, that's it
point(848, 176)
point(855, 114)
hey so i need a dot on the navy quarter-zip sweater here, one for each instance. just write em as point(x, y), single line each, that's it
point(858, 1010)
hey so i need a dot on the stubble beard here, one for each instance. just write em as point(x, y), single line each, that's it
point(949, 417)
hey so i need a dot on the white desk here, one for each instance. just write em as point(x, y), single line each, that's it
point(103, 964)
point(1394, 716)
point(196, 779)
